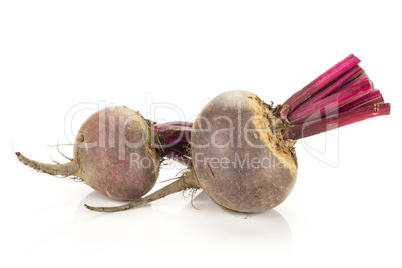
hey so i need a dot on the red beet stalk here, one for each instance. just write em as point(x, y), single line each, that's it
point(318, 85)
point(356, 89)
point(341, 96)
point(371, 98)
point(336, 121)
point(176, 137)
point(345, 79)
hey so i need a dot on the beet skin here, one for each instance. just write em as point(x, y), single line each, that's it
point(239, 160)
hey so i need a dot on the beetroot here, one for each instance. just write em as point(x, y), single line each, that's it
point(118, 153)
point(242, 149)
point(247, 166)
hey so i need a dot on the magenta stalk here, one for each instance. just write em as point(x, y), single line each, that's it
point(346, 118)
point(318, 84)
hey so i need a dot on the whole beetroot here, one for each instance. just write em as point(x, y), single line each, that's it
point(107, 163)
point(116, 152)
point(238, 158)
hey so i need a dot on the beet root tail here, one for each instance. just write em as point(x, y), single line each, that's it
point(64, 170)
point(188, 181)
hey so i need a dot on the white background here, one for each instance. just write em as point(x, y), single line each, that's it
point(346, 206)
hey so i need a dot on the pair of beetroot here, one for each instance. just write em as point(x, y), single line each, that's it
point(239, 149)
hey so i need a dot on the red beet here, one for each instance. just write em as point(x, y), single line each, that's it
point(117, 152)
point(247, 166)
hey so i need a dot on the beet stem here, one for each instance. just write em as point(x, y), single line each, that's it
point(349, 117)
point(374, 97)
point(175, 132)
point(186, 182)
point(351, 74)
point(318, 84)
point(341, 96)
point(351, 92)
point(177, 139)
point(173, 123)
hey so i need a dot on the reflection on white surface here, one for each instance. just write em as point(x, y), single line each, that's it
point(153, 228)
